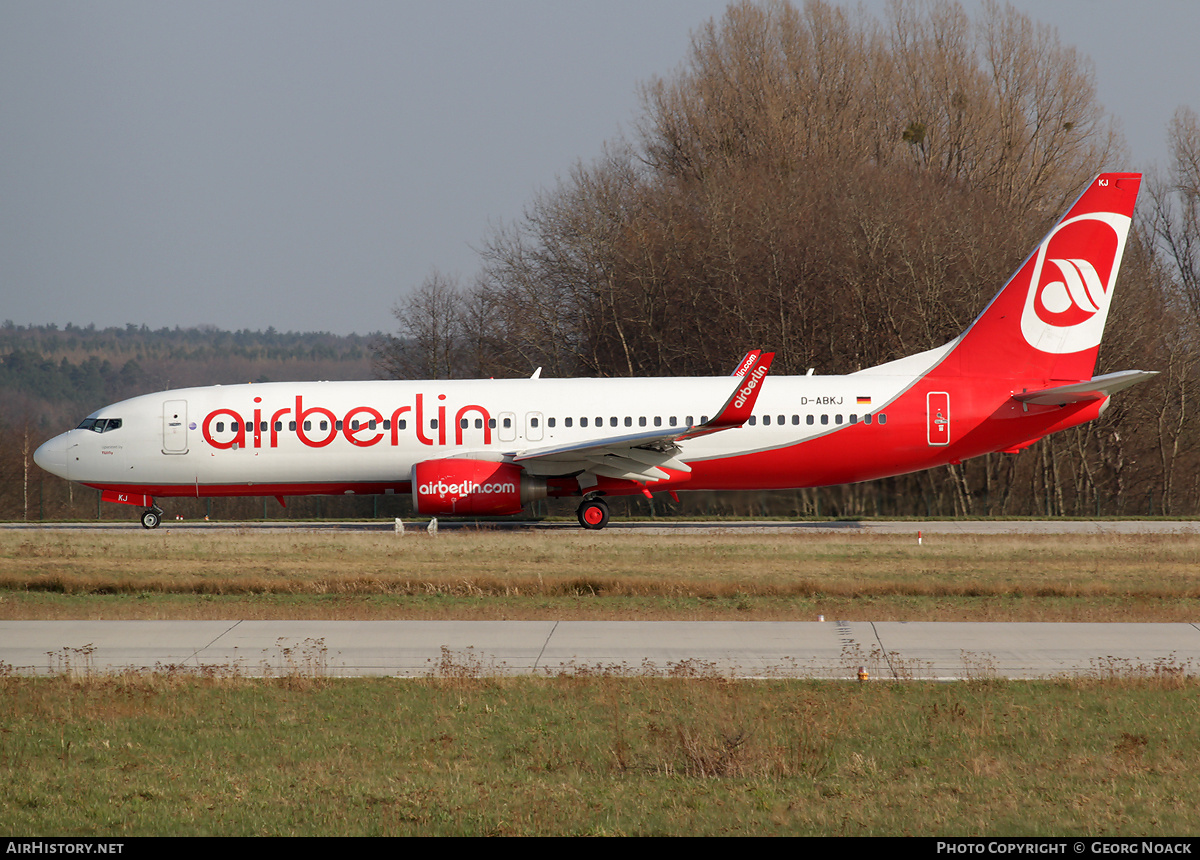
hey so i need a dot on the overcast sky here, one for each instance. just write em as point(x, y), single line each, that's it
point(302, 165)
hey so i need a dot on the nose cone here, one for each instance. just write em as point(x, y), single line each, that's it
point(52, 456)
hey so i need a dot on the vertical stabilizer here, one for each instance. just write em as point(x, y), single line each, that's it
point(1048, 320)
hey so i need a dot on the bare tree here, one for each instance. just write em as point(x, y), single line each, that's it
point(1175, 218)
point(430, 334)
point(843, 190)
point(1173, 224)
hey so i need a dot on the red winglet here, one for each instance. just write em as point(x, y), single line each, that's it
point(740, 404)
point(746, 363)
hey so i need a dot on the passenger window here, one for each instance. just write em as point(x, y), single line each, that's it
point(478, 423)
point(464, 423)
point(642, 421)
point(507, 423)
point(307, 425)
point(292, 425)
point(753, 420)
point(808, 419)
point(853, 419)
point(795, 419)
point(657, 420)
point(612, 422)
point(766, 420)
point(582, 422)
point(278, 426)
point(882, 418)
point(567, 422)
point(549, 422)
point(824, 419)
point(628, 421)
point(837, 419)
point(220, 426)
point(867, 418)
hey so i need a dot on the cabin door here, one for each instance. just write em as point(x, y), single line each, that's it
point(937, 405)
point(175, 429)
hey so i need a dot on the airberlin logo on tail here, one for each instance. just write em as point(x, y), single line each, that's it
point(1072, 280)
point(1073, 298)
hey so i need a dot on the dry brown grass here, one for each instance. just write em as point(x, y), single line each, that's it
point(615, 574)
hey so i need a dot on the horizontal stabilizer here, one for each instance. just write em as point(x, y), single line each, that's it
point(1081, 392)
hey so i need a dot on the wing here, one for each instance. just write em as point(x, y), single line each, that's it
point(645, 457)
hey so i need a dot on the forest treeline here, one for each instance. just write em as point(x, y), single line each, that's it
point(51, 377)
point(838, 188)
point(51, 372)
point(845, 190)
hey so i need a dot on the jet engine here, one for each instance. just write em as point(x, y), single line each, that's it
point(458, 488)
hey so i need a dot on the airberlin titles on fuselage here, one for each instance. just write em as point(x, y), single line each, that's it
point(318, 426)
point(365, 426)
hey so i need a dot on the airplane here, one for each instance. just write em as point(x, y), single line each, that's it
point(468, 448)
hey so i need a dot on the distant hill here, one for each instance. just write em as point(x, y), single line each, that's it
point(54, 374)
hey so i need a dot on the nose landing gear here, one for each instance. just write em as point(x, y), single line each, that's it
point(152, 517)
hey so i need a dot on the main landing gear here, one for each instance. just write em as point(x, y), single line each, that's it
point(151, 517)
point(592, 513)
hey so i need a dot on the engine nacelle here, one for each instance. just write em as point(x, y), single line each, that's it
point(459, 488)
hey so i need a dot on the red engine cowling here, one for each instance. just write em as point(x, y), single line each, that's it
point(458, 488)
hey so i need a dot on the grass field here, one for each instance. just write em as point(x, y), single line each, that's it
point(611, 575)
point(456, 753)
point(600, 756)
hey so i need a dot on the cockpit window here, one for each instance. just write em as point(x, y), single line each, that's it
point(100, 425)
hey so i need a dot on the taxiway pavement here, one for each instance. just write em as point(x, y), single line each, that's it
point(830, 649)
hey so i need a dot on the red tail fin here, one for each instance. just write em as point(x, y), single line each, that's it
point(1048, 320)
